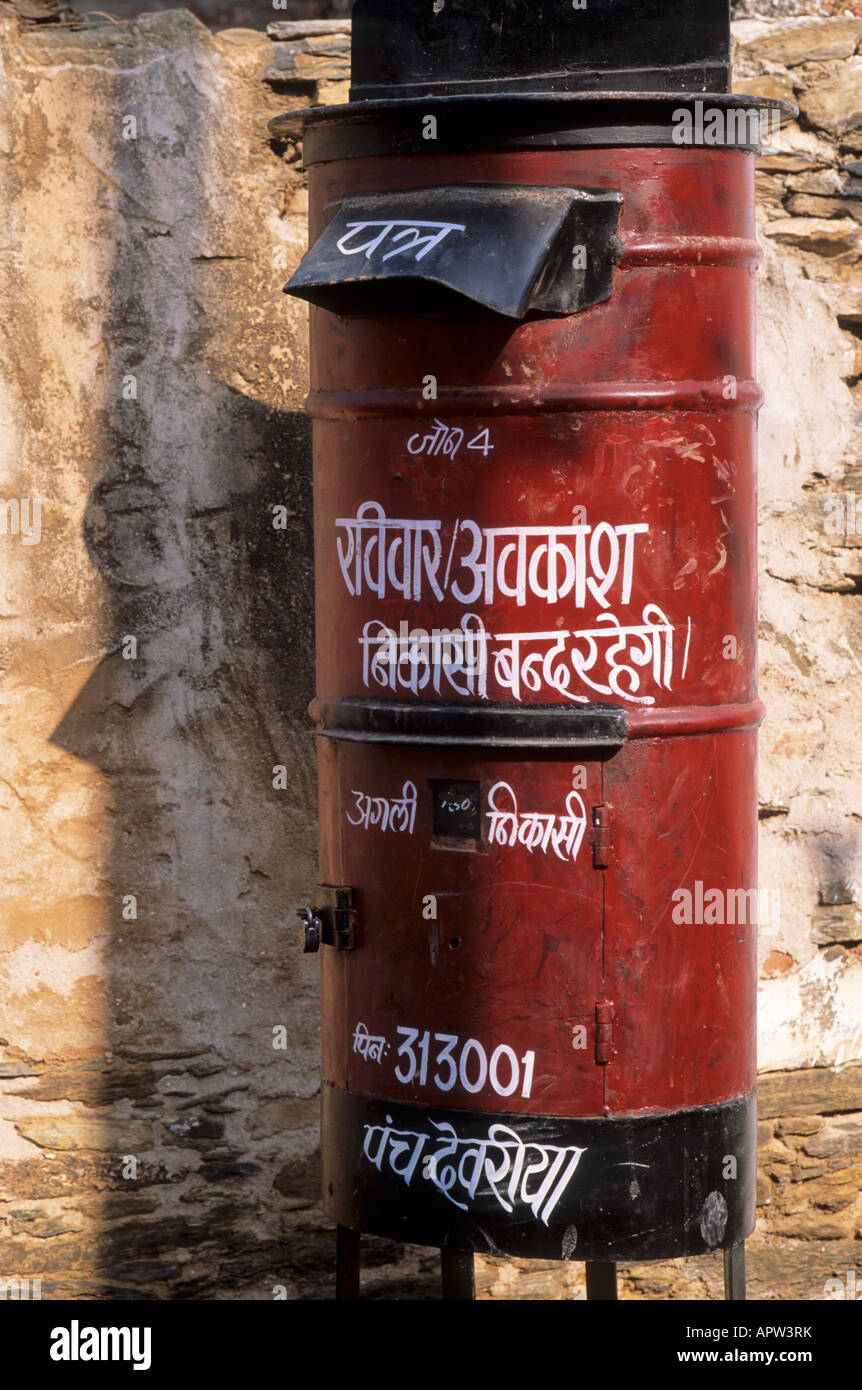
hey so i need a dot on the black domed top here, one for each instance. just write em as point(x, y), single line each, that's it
point(417, 48)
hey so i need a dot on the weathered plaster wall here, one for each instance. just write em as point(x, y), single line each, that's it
point(810, 205)
point(150, 397)
point(222, 13)
point(152, 378)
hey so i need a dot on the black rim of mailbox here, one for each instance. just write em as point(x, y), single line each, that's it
point(502, 121)
point(481, 726)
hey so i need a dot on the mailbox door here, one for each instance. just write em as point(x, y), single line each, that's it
point(681, 922)
point(478, 961)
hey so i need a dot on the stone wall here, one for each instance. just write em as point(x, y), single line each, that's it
point(156, 651)
point(158, 1027)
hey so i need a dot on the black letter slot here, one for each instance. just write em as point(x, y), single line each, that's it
point(511, 250)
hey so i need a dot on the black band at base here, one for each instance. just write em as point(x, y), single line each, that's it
point(649, 1187)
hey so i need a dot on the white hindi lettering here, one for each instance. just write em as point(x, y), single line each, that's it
point(509, 826)
point(382, 555)
point(611, 658)
point(397, 814)
point(371, 1048)
point(376, 553)
point(413, 660)
point(445, 440)
point(514, 1171)
point(584, 564)
point(421, 237)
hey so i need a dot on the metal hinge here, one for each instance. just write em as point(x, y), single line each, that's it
point(603, 836)
point(604, 1032)
point(330, 921)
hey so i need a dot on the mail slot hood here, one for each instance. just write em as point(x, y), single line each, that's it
point(512, 250)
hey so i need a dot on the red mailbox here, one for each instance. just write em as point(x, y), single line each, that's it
point(535, 428)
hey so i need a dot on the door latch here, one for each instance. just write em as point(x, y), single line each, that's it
point(329, 921)
point(604, 1032)
point(603, 837)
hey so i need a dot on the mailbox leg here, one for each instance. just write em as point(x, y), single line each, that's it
point(347, 1265)
point(459, 1275)
point(601, 1281)
point(734, 1273)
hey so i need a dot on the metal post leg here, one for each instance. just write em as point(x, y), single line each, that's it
point(734, 1273)
point(347, 1264)
point(601, 1280)
point(459, 1275)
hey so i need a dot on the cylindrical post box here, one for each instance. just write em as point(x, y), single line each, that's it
point(532, 275)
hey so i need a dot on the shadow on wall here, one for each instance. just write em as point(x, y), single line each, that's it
point(210, 662)
point(203, 1127)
